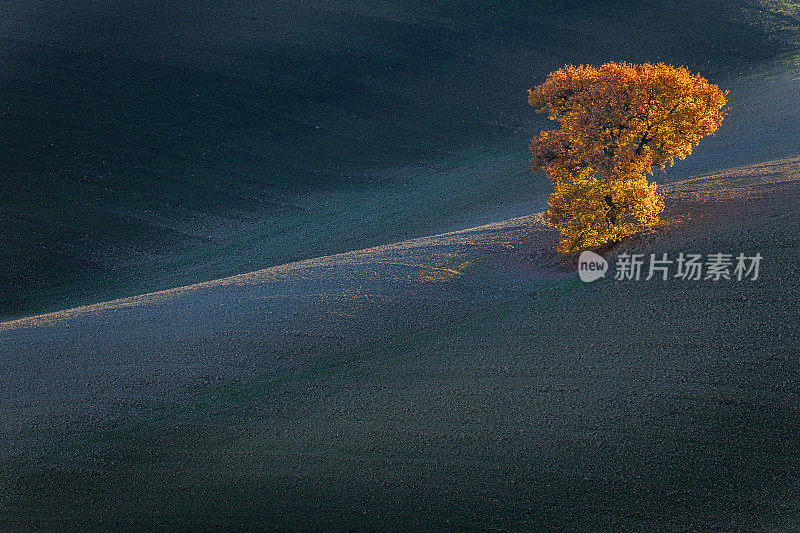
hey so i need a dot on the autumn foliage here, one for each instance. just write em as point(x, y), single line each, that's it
point(617, 122)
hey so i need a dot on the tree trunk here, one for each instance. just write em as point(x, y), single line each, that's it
point(611, 216)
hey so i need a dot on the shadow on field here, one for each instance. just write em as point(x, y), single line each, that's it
point(444, 382)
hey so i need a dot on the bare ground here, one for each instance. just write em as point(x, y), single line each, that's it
point(464, 380)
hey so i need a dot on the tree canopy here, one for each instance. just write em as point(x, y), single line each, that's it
point(617, 122)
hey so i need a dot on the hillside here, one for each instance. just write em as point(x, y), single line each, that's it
point(461, 380)
point(147, 146)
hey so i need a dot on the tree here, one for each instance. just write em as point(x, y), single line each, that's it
point(617, 122)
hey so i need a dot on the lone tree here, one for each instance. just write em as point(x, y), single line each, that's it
point(617, 121)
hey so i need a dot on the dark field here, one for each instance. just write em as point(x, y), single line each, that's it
point(447, 383)
point(398, 346)
point(148, 145)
